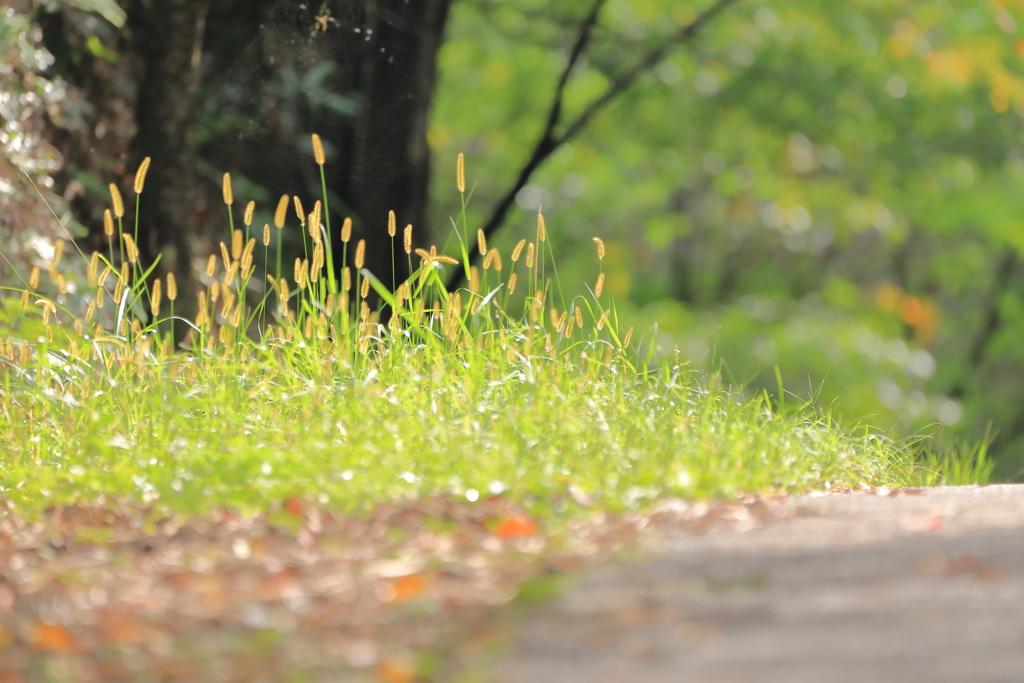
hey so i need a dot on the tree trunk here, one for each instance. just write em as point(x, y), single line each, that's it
point(167, 41)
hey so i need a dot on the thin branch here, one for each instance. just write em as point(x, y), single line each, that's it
point(549, 141)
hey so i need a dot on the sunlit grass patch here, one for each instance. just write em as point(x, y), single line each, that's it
point(301, 388)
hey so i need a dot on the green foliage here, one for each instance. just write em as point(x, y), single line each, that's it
point(829, 187)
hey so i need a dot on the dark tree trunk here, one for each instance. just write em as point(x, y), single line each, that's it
point(167, 41)
point(391, 162)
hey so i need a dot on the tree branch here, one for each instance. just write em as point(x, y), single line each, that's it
point(549, 141)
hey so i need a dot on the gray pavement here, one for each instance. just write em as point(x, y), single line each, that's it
point(923, 585)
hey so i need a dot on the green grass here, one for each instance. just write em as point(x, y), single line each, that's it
point(465, 394)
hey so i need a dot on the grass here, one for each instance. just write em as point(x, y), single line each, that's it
point(299, 389)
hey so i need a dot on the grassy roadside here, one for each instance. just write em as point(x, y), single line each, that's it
point(307, 483)
point(297, 388)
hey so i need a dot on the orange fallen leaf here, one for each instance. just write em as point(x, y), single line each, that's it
point(52, 638)
point(406, 588)
point(397, 670)
point(294, 506)
point(515, 526)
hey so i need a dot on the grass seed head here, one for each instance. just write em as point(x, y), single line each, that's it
point(225, 186)
point(299, 213)
point(62, 284)
point(93, 269)
point(266, 234)
point(131, 248)
point(229, 277)
point(600, 247)
point(140, 175)
point(250, 209)
point(104, 275)
point(318, 150)
point(542, 230)
point(236, 244)
point(360, 254)
point(125, 273)
point(156, 296)
point(313, 222)
point(58, 253)
point(512, 280)
point(115, 198)
point(460, 172)
point(214, 292)
point(407, 239)
point(346, 230)
point(211, 265)
point(599, 287)
point(481, 242)
point(118, 291)
point(282, 210)
point(603, 319)
point(225, 255)
point(250, 246)
point(474, 279)
point(108, 223)
point(33, 278)
point(628, 338)
point(24, 299)
point(529, 255)
point(578, 317)
point(101, 295)
point(346, 279)
point(518, 250)
point(364, 288)
point(172, 287)
point(392, 224)
point(90, 311)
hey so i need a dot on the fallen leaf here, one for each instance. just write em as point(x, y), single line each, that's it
point(397, 669)
point(514, 527)
point(52, 638)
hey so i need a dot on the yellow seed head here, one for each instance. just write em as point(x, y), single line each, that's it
point(156, 297)
point(553, 314)
point(297, 270)
point(303, 279)
point(282, 209)
point(603, 319)
point(599, 288)
point(392, 224)
point(62, 284)
point(115, 198)
point(229, 277)
point(489, 259)
point(104, 275)
point(542, 230)
point(518, 250)
point(497, 259)
point(481, 242)
point(214, 292)
point(90, 311)
point(283, 294)
point(250, 246)
point(266, 234)
point(229, 301)
point(474, 279)
point(600, 247)
point(346, 230)
point(529, 255)
point(58, 252)
point(33, 278)
point(225, 255)
point(627, 338)
point(172, 287)
point(346, 279)
point(578, 316)
point(250, 208)
point(24, 298)
point(140, 175)
point(299, 212)
point(460, 173)
point(118, 291)
point(236, 317)
point(108, 223)
point(407, 239)
point(131, 248)
point(211, 265)
point(124, 273)
point(101, 295)
point(93, 268)
point(364, 288)
point(49, 334)
point(229, 197)
point(318, 150)
point(512, 280)
point(360, 253)
point(236, 244)
point(313, 224)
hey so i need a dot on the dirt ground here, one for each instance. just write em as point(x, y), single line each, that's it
point(903, 585)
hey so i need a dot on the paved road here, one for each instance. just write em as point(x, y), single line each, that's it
point(912, 586)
